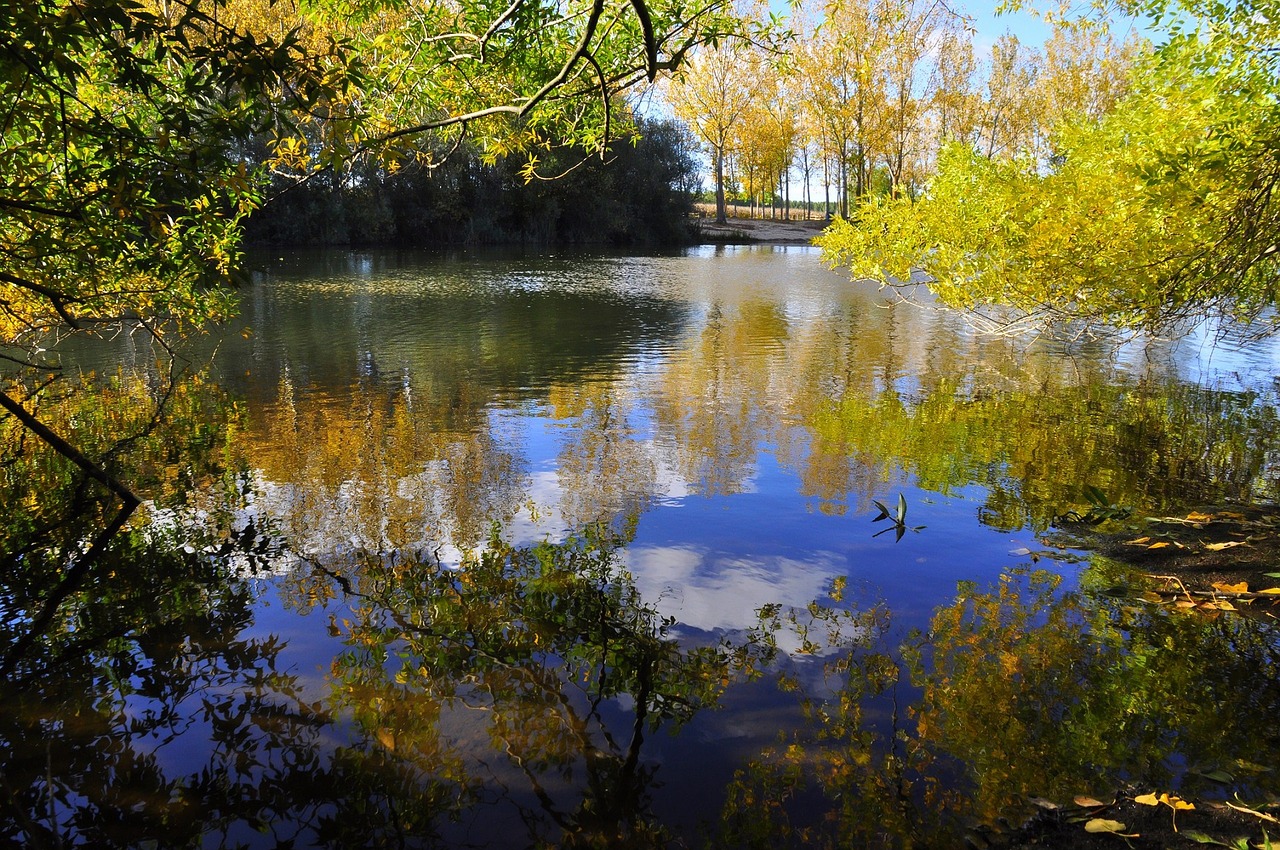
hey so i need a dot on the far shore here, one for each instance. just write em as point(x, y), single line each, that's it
point(796, 231)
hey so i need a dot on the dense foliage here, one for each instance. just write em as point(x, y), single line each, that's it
point(1161, 209)
point(641, 193)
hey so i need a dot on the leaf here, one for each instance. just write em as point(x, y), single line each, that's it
point(1138, 542)
point(1254, 812)
point(1196, 516)
point(1218, 547)
point(1271, 591)
point(1088, 802)
point(1216, 775)
point(1114, 827)
point(1162, 544)
point(1201, 838)
point(1020, 551)
point(1242, 587)
point(1147, 800)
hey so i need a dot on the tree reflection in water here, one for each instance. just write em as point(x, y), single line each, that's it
point(508, 699)
point(1023, 691)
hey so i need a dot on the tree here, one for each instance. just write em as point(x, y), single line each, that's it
point(1007, 123)
point(711, 95)
point(844, 87)
point(1161, 210)
point(955, 98)
point(916, 26)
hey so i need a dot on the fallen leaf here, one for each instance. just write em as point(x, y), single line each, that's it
point(1196, 516)
point(1184, 603)
point(1254, 812)
point(1242, 587)
point(1088, 802)
point(1147, 800)
point(1138, 542)
point(1104, 825)
point(1271, 591)
point(1152, 596)
point(1162, 544)
point(1218, 547)
point(1041, 802)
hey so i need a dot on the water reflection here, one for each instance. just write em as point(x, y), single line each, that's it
point(313, 629)
point(1024, 692)
point(658, 387)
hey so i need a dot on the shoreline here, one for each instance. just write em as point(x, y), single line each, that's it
point(749, 231)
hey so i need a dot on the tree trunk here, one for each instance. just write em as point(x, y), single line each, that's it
point(721, 214)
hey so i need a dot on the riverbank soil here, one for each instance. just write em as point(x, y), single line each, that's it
point(1213, 558)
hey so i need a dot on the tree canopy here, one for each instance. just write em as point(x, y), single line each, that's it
point(1158, 209)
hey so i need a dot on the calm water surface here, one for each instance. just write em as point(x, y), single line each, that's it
point(473, 550)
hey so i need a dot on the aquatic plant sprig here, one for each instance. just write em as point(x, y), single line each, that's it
point(897, 517)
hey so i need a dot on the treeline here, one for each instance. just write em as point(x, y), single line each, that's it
point(640, 193)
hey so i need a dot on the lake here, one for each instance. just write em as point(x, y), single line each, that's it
point(521, 550)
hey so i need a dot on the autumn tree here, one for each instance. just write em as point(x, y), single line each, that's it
point(913, 28)
point(1007, 122)
point(1085, 71)
point(1161, 210)
point(954, 95)
point(711, 95)
point(844, 89)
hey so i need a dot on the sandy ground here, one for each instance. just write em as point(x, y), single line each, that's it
point(772, 231)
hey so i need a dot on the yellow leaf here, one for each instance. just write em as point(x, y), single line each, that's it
point(1196, 516)
point(1152, 596)
point(1159, 545)
point(1147, 800)
point(1184, 603)
point(1104, 825)
point(1271, 591)
point(1175, 802)
point(1218, 547)
point(1242, 587)
point(1138, 542)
